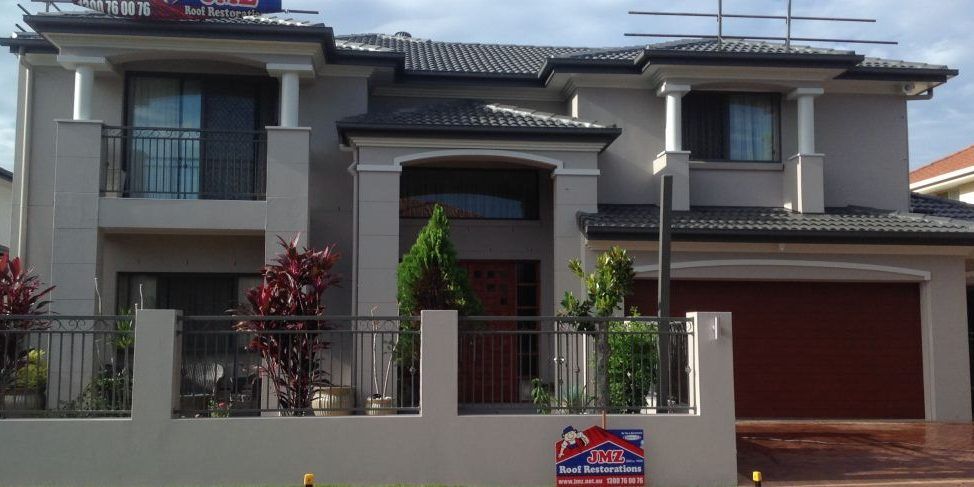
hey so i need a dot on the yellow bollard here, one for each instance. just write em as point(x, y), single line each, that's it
point(309, 480)
point(757, 477)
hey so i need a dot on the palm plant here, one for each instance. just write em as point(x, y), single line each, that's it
point(292, 286)
point(21, 294)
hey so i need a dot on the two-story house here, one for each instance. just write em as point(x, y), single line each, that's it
point(157, 163)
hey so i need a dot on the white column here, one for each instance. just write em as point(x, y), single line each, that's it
point(290, 99)
point(84, 68)
point(290, 75)
point(84, 84)
point(674, 94)
point(805, 98)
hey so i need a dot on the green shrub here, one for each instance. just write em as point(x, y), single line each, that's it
point(32, 372)
point(429, 277)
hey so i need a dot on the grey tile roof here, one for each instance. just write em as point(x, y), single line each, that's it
point(941, 207)
point(775, 224)
point(424, 55)
point(473, 114)
point(741, 46)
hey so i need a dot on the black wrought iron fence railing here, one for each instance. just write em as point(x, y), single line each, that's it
point(233, 366)
point(555, 365)
point(184, 163)
point(66, 366)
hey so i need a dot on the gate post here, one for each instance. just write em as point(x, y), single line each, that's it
point(155, 383)
point(438, 364)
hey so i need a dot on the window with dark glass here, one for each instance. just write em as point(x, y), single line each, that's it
point(470, 193)
point(197, 136)
point(721, 126)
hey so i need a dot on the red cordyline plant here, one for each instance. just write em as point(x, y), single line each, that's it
point(292, 286)
point(21, 293)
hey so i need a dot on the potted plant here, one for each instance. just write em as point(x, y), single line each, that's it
point(25, 392)
point(380, 404)
point(23, 370)
point(289, 349)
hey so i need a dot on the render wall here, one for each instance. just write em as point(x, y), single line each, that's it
point(437, 447)
point(190, 254)
point(942, 287)
point(324, 102)
point(863, 137)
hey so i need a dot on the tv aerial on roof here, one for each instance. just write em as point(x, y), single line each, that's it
point(720, 15)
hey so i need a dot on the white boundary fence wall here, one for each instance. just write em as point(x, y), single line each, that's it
point(439, 446)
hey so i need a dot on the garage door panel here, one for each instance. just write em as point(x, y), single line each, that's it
point(815, 349)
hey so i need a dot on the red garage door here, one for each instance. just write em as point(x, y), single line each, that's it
point(814, 349)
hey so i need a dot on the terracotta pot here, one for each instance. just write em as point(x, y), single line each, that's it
point(338, 400)
point(375, 406)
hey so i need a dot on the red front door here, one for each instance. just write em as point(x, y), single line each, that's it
point(490, 364)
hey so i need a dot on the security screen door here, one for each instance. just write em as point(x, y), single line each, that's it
point(197, 138)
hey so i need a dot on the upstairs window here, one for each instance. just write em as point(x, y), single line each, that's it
point(471, 194)
point(732, 126)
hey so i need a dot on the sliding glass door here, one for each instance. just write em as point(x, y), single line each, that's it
point(166, 115)
point(197, 137)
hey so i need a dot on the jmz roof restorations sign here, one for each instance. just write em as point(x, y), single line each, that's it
point(181, 9)
point(598, 457)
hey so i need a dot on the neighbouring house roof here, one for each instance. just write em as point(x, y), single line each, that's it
point(471, 117)
point(423, 57)
point(6, 174)
point(850, 224)
point(958, 161)
point(941, 207)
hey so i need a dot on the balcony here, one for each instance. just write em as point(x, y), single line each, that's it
point(183, 164)
point(183, 180)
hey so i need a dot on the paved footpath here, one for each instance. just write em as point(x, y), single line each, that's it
point(875, 454)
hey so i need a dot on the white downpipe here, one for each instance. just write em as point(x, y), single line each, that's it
point(290, 98)
point(84, 84)
point(24, 169)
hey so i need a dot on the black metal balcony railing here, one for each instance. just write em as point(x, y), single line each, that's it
point(177, 163)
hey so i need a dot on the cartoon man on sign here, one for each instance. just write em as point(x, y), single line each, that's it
point(571, 439)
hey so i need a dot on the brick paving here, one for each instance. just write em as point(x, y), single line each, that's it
point(889, 454)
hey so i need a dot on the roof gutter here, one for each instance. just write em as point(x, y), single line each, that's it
point(605, 136)
point(861, 238)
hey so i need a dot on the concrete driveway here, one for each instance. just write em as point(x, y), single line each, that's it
point(856, 453)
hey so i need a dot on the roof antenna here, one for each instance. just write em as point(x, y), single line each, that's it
point(788, 18)
point(22, 9)
point(20, 28)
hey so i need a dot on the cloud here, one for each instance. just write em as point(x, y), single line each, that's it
point(935, 32)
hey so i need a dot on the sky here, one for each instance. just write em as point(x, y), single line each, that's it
point(937, 32)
